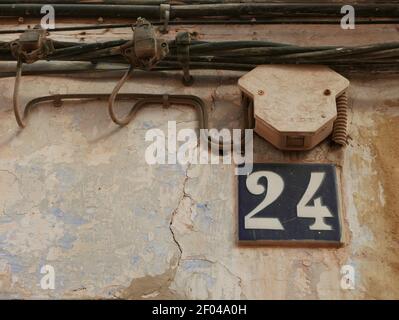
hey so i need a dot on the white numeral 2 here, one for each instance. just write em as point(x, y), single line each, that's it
point(275, 186)
point(316, 211)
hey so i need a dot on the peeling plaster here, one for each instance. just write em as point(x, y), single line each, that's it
point(76, 193)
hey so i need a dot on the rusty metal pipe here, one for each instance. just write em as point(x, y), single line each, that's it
point(218, 10)
point(15, 96)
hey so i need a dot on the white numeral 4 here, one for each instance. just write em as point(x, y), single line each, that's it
point(317, 211)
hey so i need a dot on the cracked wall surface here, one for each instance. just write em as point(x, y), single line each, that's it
point(77, 194)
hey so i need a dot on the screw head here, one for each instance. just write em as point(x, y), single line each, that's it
point(327, 92)
point(261, 92)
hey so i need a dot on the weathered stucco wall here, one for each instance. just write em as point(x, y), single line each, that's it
point(76, 192)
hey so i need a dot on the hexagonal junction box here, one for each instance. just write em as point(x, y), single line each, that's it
point(294, 106)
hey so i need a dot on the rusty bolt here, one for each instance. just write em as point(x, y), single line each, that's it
point(57, 102)
point(327, 92)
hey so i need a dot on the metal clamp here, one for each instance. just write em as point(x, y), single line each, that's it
point(164, 17)
point(31, 46)
point(145, 50)
point(183, 40)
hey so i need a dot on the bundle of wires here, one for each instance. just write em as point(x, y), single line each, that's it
point(234, 55)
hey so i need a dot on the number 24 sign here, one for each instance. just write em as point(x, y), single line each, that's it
point(289, 203)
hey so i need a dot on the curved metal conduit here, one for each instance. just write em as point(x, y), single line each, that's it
point(143, 100)
point(15, 96)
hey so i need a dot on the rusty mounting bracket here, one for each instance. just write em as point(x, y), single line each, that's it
point(183, 40)
point(31, 46)
point(145, 50)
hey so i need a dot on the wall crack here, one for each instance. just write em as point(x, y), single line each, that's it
point(174, 213)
